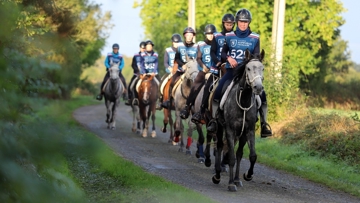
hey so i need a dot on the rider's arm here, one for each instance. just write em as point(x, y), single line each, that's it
point(166, 62)
point(199, 60)
point(106, 62)
point(134, 65)
point(224, 52)
point(213, 50)
point(122, 63)
point(178, 59)
point(142, 65)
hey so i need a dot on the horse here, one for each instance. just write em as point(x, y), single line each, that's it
point(167, 112)
point(181, 94)
point(113, 89)
point(148, 95)
point(238, 118)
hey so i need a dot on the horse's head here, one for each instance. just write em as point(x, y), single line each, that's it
point(254, 70)
point(114, 70)
point(146, 88)
point(191, 69)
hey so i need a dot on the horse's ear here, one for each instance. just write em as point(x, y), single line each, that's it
point(187, 57)
point(262, 54)
point(141, 76)
point(247, 55)
point(151, 77)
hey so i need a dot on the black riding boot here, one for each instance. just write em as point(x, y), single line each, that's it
point(212, 127)
point(159, 104)
point(265, 127)
point(167, 104)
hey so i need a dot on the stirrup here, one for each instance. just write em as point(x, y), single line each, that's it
point(158, 106)
point(267, 132)
point(212, 126)
point(166, 104)
point(197, 118)
point(99, 97)
point(184, 114)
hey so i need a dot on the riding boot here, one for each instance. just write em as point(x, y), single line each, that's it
point(158, 105)
point(265, 127)
point(212, 127)
point(198, 117)
point(167, 104)
point(129, 101)
point(184, 114)
point(100, 96)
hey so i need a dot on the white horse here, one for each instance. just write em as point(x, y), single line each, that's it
point(113, 89)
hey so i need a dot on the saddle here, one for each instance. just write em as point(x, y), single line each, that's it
point(177, 83)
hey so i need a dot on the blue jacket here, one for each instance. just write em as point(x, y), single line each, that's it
point(115, 58)
point(149, 62)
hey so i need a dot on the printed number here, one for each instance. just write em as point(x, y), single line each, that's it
point(236, 54)
point(220, 51)
point(207, 59)
point(184, 58)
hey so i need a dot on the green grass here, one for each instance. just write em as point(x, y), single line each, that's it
point(101, 173)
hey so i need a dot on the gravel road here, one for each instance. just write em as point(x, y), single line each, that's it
point(156, 156)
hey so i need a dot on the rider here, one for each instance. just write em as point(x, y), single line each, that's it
point(115, 57)
point(233, 52)
point(216, 47)
point(136, 67)
point(205, 64)
point(148, 64)
point(189, 48)
point(169, 57)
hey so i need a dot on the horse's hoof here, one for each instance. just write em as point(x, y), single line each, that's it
point(138, 132)
point(175, 143)
point(215, 180)
point(197, 154)
point(181, 150)
point(246, 177)
point(163, 130)
point(153, 134)
point(170, 141)
point(177, 133)
point(201, 160)
point(133, 130)
point(232, 188)
point(207, 162)
point(188, 152)
point(144, 134)
point(238, 182)
point(112, 128)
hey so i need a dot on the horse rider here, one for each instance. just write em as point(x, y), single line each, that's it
point(228, 22)
point(189, 48)
point(205, 65)
point(169, 57)
point(115, 57)
point(136, 68)
point(233, 52)
point(148, 65)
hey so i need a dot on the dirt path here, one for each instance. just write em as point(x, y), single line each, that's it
point(158, 157)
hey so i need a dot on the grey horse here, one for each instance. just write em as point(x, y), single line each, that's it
point(113, 89)
point(181, 94)
point(238, 119)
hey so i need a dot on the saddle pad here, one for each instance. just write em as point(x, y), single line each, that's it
point(226, 94)
point(178, 82)
point(138, 83)
point(212, 94)
point(163, 83)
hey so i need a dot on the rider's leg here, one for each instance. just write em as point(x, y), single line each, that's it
point(195, 89)
point(217, 97)
point(130, 92)
point(265, 127)
point(167, 104)
point(199, 117)
point(107, 76)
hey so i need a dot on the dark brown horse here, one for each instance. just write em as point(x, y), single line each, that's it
point(148, 95)
point(167, 114)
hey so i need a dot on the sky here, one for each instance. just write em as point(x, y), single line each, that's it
point(128, 31)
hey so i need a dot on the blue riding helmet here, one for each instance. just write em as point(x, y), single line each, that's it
point(114, 46)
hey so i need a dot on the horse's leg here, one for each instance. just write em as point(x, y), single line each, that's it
point(239, 155)
point(189, 137)
point(143, 118)
point(113, 115)
point(107, 104)
point(133, 129)
point(138, 130)
point(252, 156)
point(209, 137)
point(218, 143)
point(166, 111)
point(230, 142)
point(200, 144)
point(153, 111)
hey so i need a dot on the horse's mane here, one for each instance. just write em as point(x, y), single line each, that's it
point(240, 68)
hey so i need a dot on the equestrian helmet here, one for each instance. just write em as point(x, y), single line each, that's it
point(243, 15)
point(115, 46)
point(142, 45)
point(210, 29)
point(189, 30)
point(149, 42)
point(228, 18)
point(176, 38)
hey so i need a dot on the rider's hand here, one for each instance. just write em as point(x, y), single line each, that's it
point(233, 62)
point(152, 74)
point(184, 67)
point(206, 70)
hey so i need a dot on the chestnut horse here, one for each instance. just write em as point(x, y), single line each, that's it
point(148, 95)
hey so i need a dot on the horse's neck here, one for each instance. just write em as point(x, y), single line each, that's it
point(114, 85)
point(245, 89)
